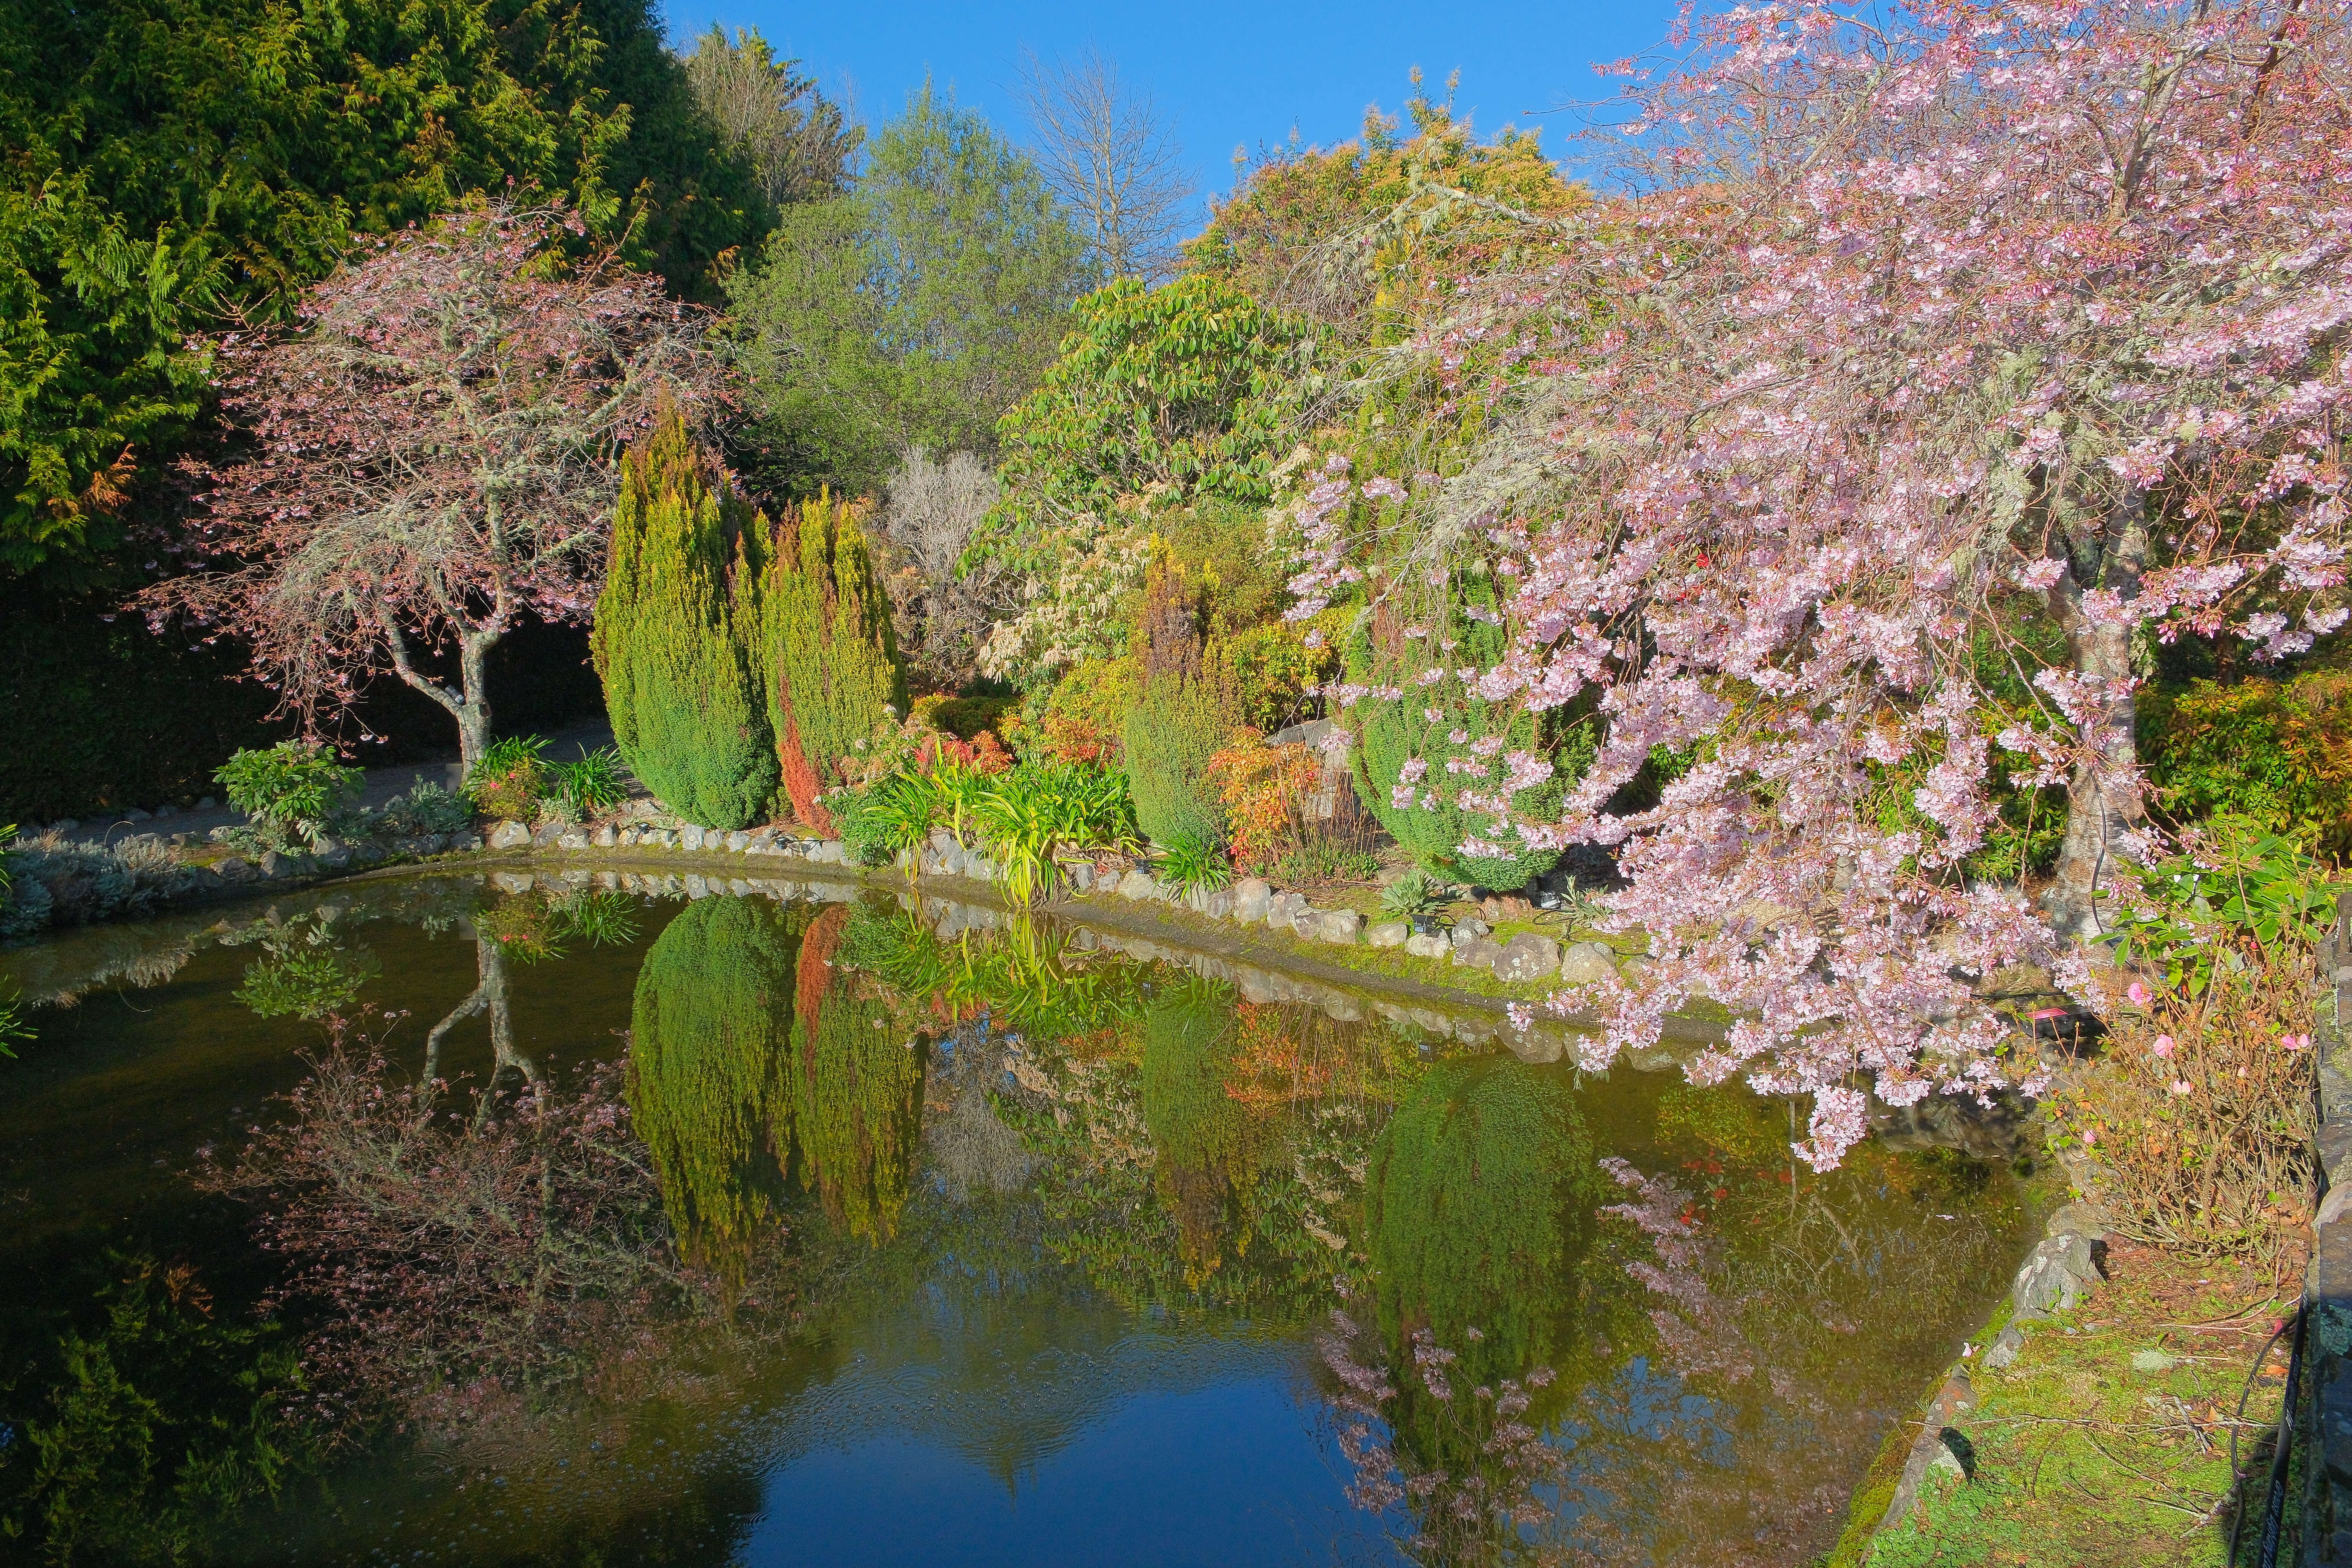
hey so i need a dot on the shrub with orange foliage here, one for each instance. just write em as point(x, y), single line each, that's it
point(1262, 787)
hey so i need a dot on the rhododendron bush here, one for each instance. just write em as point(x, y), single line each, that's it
point(1921, 331)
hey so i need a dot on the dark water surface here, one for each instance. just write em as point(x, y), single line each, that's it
point(844, 1240)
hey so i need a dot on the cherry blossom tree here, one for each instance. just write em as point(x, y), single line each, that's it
point(1919, 330)
point(431, 457)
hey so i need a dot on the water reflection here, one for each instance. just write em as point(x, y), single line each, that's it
point(884, 1203)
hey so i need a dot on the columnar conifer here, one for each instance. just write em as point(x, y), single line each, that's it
point(676, 627)
point(829, 659)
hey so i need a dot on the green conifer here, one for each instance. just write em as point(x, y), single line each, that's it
point(677, 628)
point(830, 659)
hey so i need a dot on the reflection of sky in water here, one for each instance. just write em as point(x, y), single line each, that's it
point(1224, 1473)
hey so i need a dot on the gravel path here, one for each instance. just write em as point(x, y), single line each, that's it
point(382, 784)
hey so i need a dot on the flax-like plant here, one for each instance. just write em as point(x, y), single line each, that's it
point(1195, 865)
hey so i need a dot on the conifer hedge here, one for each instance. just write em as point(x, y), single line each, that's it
point(676, 627)
point(829, 655)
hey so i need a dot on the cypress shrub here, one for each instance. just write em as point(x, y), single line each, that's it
point(1182, 718)
point(830, 659)
point(1411, 770)
point(1171, 732)
point(676, 627)
point(707, 1035)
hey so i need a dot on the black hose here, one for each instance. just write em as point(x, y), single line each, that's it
point(2274, 1498)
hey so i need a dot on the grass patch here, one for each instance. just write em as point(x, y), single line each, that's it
point(2085, 1459)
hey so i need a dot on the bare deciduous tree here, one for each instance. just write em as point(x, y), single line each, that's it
point(1112, 159)
point(798, 140)
point(932, 509)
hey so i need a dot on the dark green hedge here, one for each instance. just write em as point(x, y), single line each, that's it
point(98, 714)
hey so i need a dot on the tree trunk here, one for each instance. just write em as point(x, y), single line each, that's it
point(469, 705)
point(2103, 798)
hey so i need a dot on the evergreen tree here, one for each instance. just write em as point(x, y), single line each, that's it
point(830, 659)
point(1183, 718)
point(676, 628)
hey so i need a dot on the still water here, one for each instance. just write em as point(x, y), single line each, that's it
point(813, 1227)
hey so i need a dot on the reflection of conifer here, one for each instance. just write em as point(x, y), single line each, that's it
point(707, 1059)
point(856, 1089)
point(1476, 1199)
point(1207, 1142)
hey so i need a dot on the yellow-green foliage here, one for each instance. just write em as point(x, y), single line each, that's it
point(676, 627)
point(706, 1058)
point(1261, 239)
point(2278, 752)
point(831, 662)
point(1174, 729)
point(1208, 1143)
point(856, 1089)
point(1472, 1207)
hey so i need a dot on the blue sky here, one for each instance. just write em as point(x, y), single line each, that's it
point(1228, 72)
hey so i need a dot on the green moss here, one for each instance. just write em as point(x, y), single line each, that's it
point(676, 627)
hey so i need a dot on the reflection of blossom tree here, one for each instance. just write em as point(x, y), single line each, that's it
point(1474, 1211)
point(1482, 1500)
point(489, 995)
point(1693, 1326)
point(463, 1261)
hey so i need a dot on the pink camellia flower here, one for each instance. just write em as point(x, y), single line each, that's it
point(2138, 994)
point(2179, 1085)
point(2296, 1043)
point(2162, 1045)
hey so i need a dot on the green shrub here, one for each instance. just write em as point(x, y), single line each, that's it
point(1414, 896)
point(1411, 771)
point(426, 809)
point(678, 627)
point(2278, 752)
point(828, 655)
point(509, 779)
point(14, 1030)
point(290, 788)
point(871, 828)
point(1171, 734)
point(2239, 892)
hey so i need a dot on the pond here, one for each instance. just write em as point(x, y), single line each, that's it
point(438, 1221)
